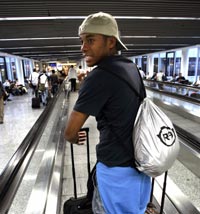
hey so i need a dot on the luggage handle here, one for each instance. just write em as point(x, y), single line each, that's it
point(163, 193)
point(86, 129)
point(73, 170)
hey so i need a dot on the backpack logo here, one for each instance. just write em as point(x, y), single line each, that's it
point(167, 136)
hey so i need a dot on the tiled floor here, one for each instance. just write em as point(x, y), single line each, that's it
point(19, 117)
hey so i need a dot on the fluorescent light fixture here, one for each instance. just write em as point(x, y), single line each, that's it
point(138, 37)
point(49, 52)
point(83, 17)
point(125, 37)
point(45, 38)
point(155, 45)
point(43, 47)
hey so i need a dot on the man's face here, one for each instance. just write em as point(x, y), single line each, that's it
point(95, 47)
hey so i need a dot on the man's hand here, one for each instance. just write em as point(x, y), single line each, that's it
point(82, 137)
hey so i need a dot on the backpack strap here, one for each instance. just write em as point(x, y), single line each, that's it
point(129, 84)
point(137, 94)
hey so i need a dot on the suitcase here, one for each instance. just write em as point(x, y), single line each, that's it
point(80, 205)
point(195, 95)
point(151, 208)
point(35, 102)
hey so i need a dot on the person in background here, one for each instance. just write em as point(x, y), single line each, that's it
point(154, 76)
point(54, 82)
point(143, 75)
point(7, 88)
point(72, 76)
point(6, 85)
point(80, 70)
point(2, 94)
point(33, 81)
point(80, 74)
point(173, 79)
point(43, 87)
point(121, 188)
point(160, 78)
point(180, 78)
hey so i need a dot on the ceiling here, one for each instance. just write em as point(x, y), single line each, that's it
point(48, 31)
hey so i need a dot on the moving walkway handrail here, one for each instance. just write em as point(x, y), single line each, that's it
point(192, 140)
point(174, 84)
point(12, 174)
point(47, 190)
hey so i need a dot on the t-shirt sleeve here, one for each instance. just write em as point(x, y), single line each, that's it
point(93, 94)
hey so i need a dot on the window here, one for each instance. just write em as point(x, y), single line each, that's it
point(155, 65)
point(177, 65)
point(26, 67)
point(192, 60)
point(2, 69)
point(169, 64)
point(144, 64)
point(191, 66)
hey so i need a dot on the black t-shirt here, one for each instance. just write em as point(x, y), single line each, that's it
point(115, 105)
point(54, 79)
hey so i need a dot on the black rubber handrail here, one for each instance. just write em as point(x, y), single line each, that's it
point(13, 173)
point(173, 84)
point(192, 140)
point(184, 97)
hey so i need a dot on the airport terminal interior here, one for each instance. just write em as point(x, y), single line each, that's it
point(163, 40)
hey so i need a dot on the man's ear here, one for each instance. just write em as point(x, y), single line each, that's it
point(112, 42)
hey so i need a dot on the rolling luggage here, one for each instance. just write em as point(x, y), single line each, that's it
point(151, 208)
point(35, 102)
point(195, 95)
point(80, 205)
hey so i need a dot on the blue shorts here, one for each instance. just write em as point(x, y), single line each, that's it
point(123, 190)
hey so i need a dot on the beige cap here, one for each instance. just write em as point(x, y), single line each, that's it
point(101, 23)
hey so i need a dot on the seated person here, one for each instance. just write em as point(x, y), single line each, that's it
point(181, 79)
point(154, 77)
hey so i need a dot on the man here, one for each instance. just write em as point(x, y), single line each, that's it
point(106, 94)
point(43, 86)
point(2, 94)
point(142, 73)
point(72, 76)
point(180, 78)
point(34, 81)
point(54, 82)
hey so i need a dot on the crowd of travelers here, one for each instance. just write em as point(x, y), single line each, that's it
point(45, 84)
point(36, 81)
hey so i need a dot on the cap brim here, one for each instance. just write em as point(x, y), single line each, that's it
point(120, 45)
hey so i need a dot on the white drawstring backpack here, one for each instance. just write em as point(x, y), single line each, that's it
point(155, 142)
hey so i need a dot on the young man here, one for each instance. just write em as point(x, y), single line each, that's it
point(72, 76)
point(34, 81)
point(54, 82)
point(106, 94)
point(2, 94)
point(43, 86)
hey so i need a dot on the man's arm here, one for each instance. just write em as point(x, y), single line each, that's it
point(73, 126)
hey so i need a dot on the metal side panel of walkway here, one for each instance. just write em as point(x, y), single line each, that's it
point(80, 153)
